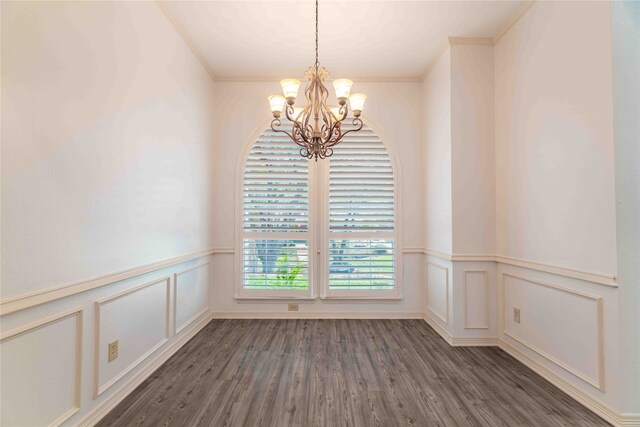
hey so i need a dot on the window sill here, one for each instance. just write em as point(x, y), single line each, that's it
point(361, 297)
point(272, 298)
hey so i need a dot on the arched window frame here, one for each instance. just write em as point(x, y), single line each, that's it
point(318, 175)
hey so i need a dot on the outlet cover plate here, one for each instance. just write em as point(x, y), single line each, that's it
point(113, 351)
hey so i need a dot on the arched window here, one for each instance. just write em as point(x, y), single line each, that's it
point(361, 250)
point(336, 216)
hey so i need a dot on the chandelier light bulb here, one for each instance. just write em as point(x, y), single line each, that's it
point(343, 89)
point(290, 88)
point(356, 101)
point(277, 104)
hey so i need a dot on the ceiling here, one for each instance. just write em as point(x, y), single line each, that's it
point(372, 40)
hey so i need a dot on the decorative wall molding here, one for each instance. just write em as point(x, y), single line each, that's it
point(444, 317)
point(178, 328)
point(598, 278)
point(99, 389)
point(484, 325)
point(316, 315)
point(233, 251)
point(597, 382)
point(32, 299)
point(112, 400)
point(23, 330)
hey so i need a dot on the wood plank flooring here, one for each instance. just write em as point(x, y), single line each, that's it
point(342, 373)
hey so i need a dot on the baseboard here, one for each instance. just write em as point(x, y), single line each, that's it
point(315, 315)
point(460, 341)
point(474, 341)
point(111, 401)
point(439, 329)
point(602, 410)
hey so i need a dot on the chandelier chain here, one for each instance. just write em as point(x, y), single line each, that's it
point(317, 63)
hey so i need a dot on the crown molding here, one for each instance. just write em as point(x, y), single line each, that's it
point(472, 41)
point(435, 60)
point(172, 19)
point(523, 9)
point(226, 79)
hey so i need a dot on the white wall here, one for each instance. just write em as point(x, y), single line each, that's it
point(242, 113)
point(107, 148)
point(106, 142)
point(625, 23)
point(436, 135)
point(554, 137)
point(472, 150)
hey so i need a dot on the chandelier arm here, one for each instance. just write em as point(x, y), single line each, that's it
point(288, 112)
point(276, 122)
point(302, 140)
point(357, 122)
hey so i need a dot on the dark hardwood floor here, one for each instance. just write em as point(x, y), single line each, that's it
point(342, 373)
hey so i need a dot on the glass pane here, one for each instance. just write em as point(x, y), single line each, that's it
point(361, 264)
point(275, 264)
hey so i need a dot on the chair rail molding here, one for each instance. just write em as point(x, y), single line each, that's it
point(32, 299)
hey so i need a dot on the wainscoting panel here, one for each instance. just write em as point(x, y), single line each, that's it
point(560, 324)
point(476, 299)
point(191, 295)
point(438, 291)
point(139, 319)
point(41, 360)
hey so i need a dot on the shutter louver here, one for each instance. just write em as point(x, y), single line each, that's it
point(361, 214)
point(275, 216)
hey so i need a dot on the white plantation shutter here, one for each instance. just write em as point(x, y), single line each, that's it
point(361, 252)
point(275, 216)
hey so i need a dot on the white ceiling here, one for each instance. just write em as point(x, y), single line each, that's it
point(358, 39)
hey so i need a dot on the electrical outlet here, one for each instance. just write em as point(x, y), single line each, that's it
point(113, 351)
point(516, 315)
point(293, 307)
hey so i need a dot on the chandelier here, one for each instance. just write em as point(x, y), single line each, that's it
point(316, 128)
